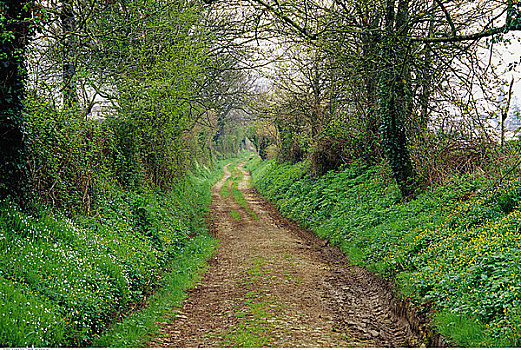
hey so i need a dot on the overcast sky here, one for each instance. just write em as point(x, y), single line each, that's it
point(511, 53)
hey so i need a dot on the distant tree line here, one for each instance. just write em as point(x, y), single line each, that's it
point(389, 79)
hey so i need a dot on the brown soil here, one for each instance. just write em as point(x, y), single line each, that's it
point(272, 284)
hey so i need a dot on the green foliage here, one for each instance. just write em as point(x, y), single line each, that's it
point(455, 246)
point(64, 281)
point(150, 75)
point(293, 144)
point(156, 86)
point(394, 97)
point(70, 158)
point(73, 160)
point(464, 331)
point(127, 167)
point(513, 21)
point(230, 139)
point(27, 319)
point(260, 138)
point(273, 184)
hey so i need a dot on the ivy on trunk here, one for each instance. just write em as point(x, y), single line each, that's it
point(14, 34)
point(393, 99)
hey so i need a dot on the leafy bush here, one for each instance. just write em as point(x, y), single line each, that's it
point(73, 160)
point(68, 156)
point(455, 246)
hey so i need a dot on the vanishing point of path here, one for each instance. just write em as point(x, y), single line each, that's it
point(271, 284)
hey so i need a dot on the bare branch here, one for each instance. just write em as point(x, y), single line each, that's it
point(447, 16)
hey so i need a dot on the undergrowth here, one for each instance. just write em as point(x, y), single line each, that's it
point(140, 326)
point(64, 281)
point(455, 248)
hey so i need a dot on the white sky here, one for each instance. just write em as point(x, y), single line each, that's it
point(509, 54)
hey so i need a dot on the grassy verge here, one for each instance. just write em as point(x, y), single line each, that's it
point(455, 248)
point(139, 327)
point(63, 281)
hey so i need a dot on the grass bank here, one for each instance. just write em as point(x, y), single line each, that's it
point(70, 281)
point(455, 249)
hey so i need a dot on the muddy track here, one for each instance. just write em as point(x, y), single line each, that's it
point(272, 284)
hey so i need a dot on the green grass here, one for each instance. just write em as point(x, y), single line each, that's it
point(237, 195)
point(135, 330)
point(455, 247)
point(464, 331)
point(64, 280)
point(254, 329)
point(225, 193)
point(235, 215)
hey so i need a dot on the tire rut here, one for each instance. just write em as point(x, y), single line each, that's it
point(273, 284)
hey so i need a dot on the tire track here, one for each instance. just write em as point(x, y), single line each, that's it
point(272, 284)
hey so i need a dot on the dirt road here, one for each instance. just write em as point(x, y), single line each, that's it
point(272, 284)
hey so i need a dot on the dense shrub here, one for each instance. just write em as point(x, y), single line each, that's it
point(73, 160)
point(456, 247)
point(68, 156)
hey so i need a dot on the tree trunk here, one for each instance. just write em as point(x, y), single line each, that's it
point(370, 43)
point(392, 96)
point(14, 179)
point(504, 113)
point(70, 96)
